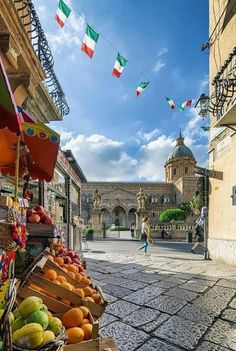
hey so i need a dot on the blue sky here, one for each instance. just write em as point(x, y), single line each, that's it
point(114, 134)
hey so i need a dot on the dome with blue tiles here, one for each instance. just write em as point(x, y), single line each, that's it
point(180, 150)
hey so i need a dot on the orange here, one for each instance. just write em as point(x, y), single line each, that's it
point(50, 274)
point(88, 291)
point(85, 321)
point(65, 266)
point(78, 277)
point(87, 328)
point(73, 268)
point(86, 281)
point(67, 286)
point(66, 302)
point(75, 335)
point(85, 311)
point(49, 314)
point(89, 298)
point(97, 298)
point(59, 260)
point(72, 318)
point(80, 292)
point(61, 279)
point(72, 274)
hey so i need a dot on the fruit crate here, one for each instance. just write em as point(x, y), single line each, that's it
point(35, 276)
point(90, 345)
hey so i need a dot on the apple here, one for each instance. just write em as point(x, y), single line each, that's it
point(39, 208)
point(71, 253)
point(29, 212)
point(76, 260)
point(67, 260)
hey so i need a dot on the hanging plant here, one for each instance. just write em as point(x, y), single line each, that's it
point(195, 204)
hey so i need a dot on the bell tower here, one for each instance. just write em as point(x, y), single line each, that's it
point(180, 162)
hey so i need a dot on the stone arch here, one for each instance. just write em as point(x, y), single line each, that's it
point(118, 215)
point(106, 216)
point(131, 216)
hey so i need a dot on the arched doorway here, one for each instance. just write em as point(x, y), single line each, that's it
point(119, 217)
point(131, 217)
point(106, 217)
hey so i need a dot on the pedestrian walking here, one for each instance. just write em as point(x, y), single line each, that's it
point(199, 234)
point(145, 234)
point(132, 229)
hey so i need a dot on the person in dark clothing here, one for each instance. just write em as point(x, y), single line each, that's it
point(199, 233)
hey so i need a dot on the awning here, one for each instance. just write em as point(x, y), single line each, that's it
point(9, 116)
point(39, 143)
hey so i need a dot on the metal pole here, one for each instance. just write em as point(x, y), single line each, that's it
point(206, 200)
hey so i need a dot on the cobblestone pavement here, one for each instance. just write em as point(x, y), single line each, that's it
point(168, 301)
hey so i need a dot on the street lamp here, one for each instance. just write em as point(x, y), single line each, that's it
point(202, 105)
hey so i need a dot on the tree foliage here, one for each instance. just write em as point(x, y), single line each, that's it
point(186, 207)
point(175, 214)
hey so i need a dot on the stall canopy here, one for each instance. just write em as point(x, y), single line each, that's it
point(39, 144)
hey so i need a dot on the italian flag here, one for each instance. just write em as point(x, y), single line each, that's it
point(119, 66)
point(90, 41)
point(170, 102)
point(186, 103)
point(63, 12)
point(141, 88)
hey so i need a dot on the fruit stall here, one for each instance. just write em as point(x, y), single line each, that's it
point(52, 304)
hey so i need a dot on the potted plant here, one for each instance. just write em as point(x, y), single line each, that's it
point(89, 234)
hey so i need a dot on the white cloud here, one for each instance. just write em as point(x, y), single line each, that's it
point(65, 135)
point(147, 136)
point(158, 66)
point(162, 51)
point(153, 156)
point(102, 158)
point(70, 36)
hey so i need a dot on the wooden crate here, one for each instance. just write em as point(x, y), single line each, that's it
point(35, 276)
point(108, 344)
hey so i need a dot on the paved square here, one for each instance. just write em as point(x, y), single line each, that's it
point(181, 332)
point(172, 301)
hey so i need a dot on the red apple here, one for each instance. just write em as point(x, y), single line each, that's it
point(39, 208)
point(67, 260)
point(76, 260)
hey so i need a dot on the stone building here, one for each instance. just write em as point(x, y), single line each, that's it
point(222, 108)
point(118, 200)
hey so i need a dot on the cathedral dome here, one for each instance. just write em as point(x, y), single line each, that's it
point(180, 150)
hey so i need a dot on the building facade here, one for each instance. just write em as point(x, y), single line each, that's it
point(119, 205)
point(222, 107)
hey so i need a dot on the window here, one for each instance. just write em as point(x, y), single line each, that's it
point(174, 171)
point(186, 170)
point(153, 214)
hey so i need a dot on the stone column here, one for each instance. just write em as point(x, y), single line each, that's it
point(96, 222)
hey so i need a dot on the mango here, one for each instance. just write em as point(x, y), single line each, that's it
point(48, 336)
point(11, 316)
point(55, 325)
point(39, 317)
point(17, 324)
point(44, 308)
point(30, 336)
point(29, 305)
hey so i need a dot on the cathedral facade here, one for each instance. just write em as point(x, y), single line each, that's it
point(118, 200)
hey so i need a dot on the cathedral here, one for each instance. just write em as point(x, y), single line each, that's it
point(118, 200)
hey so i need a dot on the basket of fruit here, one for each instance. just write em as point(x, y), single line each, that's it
point(34, 327)
point(6, 317)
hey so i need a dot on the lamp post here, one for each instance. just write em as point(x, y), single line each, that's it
point(202, 106)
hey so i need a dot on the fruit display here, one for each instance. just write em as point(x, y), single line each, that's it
point(39, 215)
point(78, 324)
point(33, 326)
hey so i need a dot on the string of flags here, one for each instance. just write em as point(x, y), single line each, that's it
point(88, 47)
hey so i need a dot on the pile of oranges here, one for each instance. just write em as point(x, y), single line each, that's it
point(77, 324)
point(86, 292)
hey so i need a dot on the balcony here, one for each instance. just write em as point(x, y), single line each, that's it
point(29, 61)
point(223, 99)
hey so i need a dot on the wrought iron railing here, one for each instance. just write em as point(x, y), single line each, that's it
point(30, 20)
point(224, 94)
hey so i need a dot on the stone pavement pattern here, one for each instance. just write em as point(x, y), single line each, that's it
point(165, 302)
